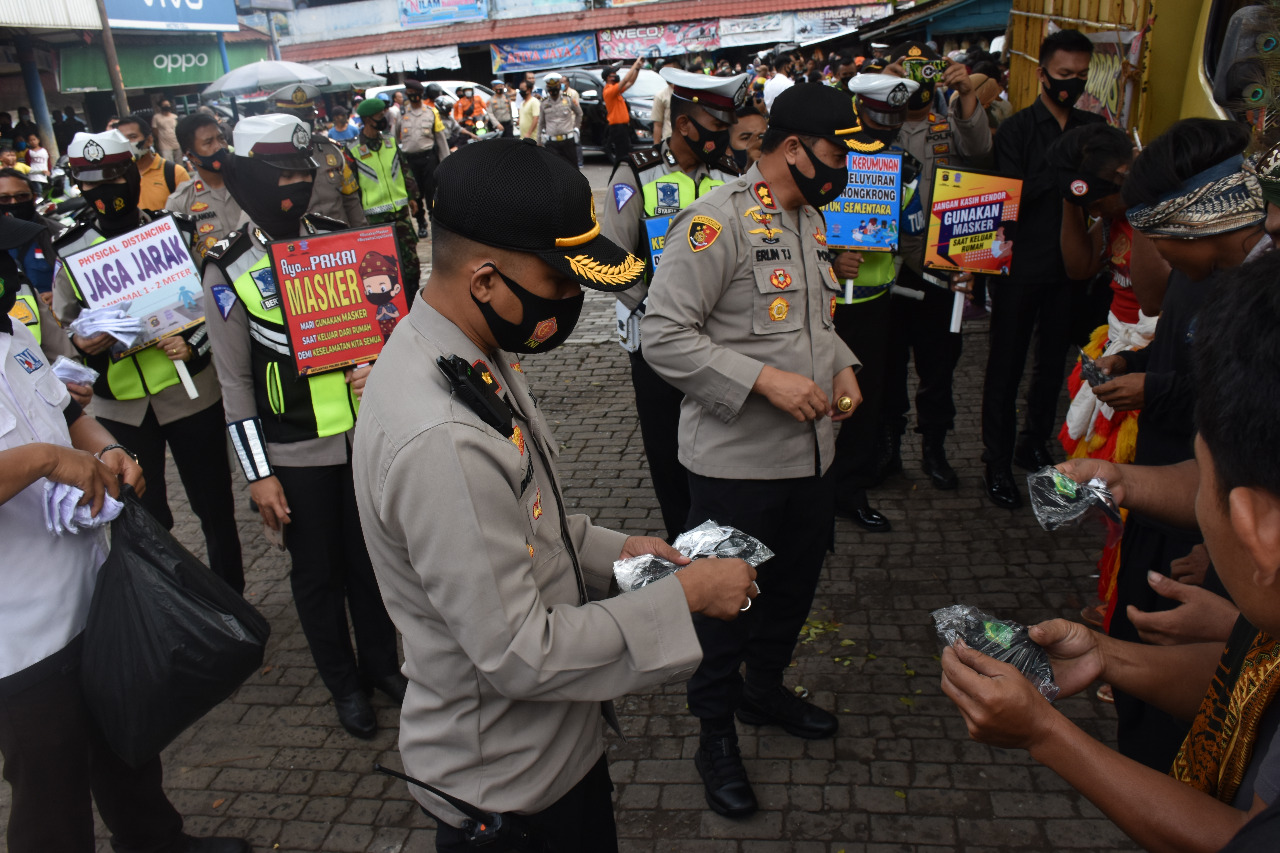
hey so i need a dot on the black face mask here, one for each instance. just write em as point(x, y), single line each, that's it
point(21, 209)
point(380, 123)
point(545, 325)
point(1064, 93)
point(887, 135)
point(380, 297)
point(742, 157)
point(710, 144)
point(826, 184)
point(215, 162)
point(275, 209)
point(922, 97)
point(116, 204)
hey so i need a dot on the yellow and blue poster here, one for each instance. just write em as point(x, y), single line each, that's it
point(972, 222)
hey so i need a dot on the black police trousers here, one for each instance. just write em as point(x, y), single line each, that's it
point(579, 822)
point(796, 519)
point(658, 410)
point(921, 329)
point(864, 327)
point(199, 446)
point(332, 572)
point(1019, 309)
point(565, 149)
point(617, 142)
point(60, 766)
point(423, 165)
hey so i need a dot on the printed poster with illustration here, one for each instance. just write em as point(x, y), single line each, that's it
point(972, 222)
point(865, 216)
point(342, 293)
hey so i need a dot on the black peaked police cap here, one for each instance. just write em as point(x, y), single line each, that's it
point(514, 195)
point(812, 109)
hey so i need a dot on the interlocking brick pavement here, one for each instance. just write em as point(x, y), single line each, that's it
point(272, 764)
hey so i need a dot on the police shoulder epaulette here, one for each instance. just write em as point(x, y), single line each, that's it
point(229, 247)
point(72, 232)
point(320, 222)
point(728, 165)
point(184, 221)
point(645, 159)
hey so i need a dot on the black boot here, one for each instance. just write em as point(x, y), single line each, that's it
point(888, 455)
point(356, 715)
point(933, 461)
point(1032, 455)
point(724, 779)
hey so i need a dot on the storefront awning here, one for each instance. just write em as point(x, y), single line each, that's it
point(942, 17)
point(426, 58)
point(193, 61)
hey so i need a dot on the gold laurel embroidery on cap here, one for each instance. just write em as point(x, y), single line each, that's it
point(606, 273)
point(856, 145)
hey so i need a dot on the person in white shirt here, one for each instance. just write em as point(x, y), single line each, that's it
point(55, 757)
point(780, 81)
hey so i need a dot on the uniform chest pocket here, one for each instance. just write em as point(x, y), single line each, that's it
point(51, 390)
point(778, 303)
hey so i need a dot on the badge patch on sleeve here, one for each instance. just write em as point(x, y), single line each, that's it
point(29, 360)
point(517, 438)
point(622, 194)
point(225, 297)
point(537, 504)
point(703, 232)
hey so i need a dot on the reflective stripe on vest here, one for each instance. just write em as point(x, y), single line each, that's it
point(147, 371)
point(382, 188)
point(332, 403)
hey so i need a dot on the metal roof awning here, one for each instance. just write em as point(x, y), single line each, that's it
point(944, 16)
point(426, 58)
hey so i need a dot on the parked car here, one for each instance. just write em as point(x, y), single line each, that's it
point(589, 84)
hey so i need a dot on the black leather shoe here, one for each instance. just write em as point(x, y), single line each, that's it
point(214, 845)
point(422, 232)
point(888, 456)
point(933, 461)
point(857, 510)
point(724, 779)
point(1032, 456)
point(393, 685)
point(778, 706)
point(356, 715)
point(1001, 488)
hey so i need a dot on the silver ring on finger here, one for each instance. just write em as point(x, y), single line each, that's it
point(745, 609)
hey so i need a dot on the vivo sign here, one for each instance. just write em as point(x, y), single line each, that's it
point(192, 15)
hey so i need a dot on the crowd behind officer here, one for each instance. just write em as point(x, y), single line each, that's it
point(205, 198)
point(560, 120)
point(334, 193)
point(292, 434)
point(158, 177)
point(422, 138)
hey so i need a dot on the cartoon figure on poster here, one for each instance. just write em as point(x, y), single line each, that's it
point(381, 282)
point(865, 216)
point(973, 221)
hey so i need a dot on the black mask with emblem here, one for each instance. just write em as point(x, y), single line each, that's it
point(544, 324)
point(710, 144)
point(922, 97)
point(276, 209)
point(1064, 93)
point(116, 205)
point(215, 162)
point(826, 184)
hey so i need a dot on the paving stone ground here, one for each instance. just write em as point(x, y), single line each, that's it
point(272, 764)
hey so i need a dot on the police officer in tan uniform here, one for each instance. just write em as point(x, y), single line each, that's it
point(740, 319)
point(335, 193)
point(510, 642)
point(205, 197)
point(424, 143)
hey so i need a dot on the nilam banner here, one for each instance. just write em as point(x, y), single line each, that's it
point(865, 216)
point(534, 54)
point(659, 40)
point(427, 13)
point(973, 221)
point(342, 294)
point(1109, 89)
point(147, 273)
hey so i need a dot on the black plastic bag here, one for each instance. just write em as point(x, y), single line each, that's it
point(166, 639)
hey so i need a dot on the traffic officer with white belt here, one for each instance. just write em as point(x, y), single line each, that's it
point(335, 193)
point(204, 198)
point(559, 121)
point(423, 140)
point(740, 319)
point(511, 643)
point(292, 433)
point(140, 398)
point(645, 191)
point(387, 186)
point(500, 108)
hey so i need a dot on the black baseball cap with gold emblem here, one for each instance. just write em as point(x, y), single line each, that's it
point(511, 194)
point(812, 109)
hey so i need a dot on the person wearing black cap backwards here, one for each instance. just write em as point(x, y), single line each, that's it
point(421, 136)
point(649, 187)
point(508, 644)
point(291, 433)
point(55, 758)
point(740, 320)
point(334, 193)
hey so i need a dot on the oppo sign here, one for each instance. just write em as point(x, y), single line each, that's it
point(176, 63)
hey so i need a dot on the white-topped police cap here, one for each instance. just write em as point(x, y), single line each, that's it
point(279, 140)
point(554, 75)
point(295, 96)
point(883, 91)
point(100, 156)
point(719, 96)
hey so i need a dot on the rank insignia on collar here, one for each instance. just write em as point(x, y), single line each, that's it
point(763, 194)
point(517, 438)
point(487, 375)
point(199, 186)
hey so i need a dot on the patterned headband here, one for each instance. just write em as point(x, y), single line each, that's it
point(1268, 169)
point(1220, 199)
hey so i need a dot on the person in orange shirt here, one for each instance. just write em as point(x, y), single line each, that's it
point(159, 177)
point(469, 111)
point(617, 142)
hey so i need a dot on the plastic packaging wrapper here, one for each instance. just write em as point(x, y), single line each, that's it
point(1091, 373)
point(1059, 501)
point(997, 638)
point(115, 322)
point(166, 639)
point(708, 539)
point(70, 370)
point(63, 513)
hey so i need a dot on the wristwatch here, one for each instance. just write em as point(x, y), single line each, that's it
point(121, 447)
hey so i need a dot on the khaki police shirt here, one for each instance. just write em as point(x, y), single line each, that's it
point(336, 193)
point(559, 117)
point(743, 285)
point(506, 667)
point(422, 130)
point(214, 210)
point(952, 141)
point(624, 214)
point(500, 108)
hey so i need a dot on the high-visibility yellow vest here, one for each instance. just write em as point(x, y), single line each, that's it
point(382, 188)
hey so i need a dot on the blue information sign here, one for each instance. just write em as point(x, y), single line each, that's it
point(656, 231)
point(204, 16)
point(865, 216)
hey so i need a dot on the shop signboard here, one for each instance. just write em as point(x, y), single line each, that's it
point(431, 13)
point(535, 53)
point(192, 62)
point(203, 16)
point(659, 39)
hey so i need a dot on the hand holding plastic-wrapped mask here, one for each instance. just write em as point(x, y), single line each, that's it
point(1000, 639)
point(1059, 501)
point(706, 540)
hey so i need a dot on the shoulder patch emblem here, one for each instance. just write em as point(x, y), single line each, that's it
point(778, 309)
point(23, 314)
point(225, 297)
point(487, 375)
point(29, 360)
point(622, 194)
point(703, 232)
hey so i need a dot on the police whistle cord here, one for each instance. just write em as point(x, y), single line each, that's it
point(482, 828)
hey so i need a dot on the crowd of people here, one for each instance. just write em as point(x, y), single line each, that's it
point(770, 372)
